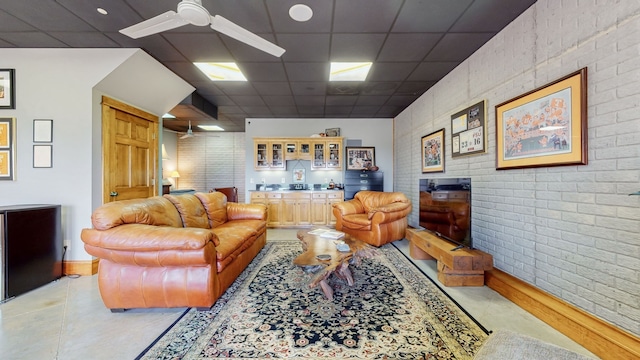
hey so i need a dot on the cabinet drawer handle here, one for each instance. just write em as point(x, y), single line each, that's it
point(364, 181)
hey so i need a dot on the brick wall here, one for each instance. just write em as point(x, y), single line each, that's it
point(572, 231)
point(212, 160)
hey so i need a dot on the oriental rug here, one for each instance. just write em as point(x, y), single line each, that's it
point(393, 311)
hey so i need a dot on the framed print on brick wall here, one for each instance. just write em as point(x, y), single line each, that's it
point(469, 131)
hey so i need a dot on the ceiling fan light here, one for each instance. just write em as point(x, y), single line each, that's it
point(300, 12)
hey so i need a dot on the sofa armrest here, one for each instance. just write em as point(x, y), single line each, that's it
point(140, 237)
point(349, 207)
point(389, 212)
point(237, 211)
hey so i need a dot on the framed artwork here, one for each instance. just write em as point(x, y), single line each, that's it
point(7, 89)
point(7, 148)
point(42, 156)
point(469, 131)
point(332, 132)
point(544, 127)
point(299, 175)
point(360, 158)
point(42, 131)
point(433, 152)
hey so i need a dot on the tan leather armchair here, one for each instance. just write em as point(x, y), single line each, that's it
point(374, 217)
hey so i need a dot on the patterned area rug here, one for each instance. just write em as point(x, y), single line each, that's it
point(392, 312)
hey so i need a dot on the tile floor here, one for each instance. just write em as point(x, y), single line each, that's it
point(67, 320)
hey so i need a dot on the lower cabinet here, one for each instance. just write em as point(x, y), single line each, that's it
point(298, 208)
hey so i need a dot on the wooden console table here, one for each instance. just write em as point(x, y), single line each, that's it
point(463, 267)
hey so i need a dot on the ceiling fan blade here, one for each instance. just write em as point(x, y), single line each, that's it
point(220, 24)
point(167, 21)
point(186, 136)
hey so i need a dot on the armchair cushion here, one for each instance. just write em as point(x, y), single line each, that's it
point(374, 217)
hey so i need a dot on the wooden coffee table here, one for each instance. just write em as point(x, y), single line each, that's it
point(338, 264)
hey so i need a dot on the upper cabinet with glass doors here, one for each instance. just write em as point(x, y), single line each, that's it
point(272, 153)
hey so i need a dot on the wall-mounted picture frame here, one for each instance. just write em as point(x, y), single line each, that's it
point(544, 127)
point(360, 158)
point(469, 131)
point(7, 148)
point(432, 150)
point(333, 132)
point(42, 131)
point(7, 89)
point(42, 156)
point(299, 175)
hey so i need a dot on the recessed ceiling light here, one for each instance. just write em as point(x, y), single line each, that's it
point(226, 71)
point(349, 71)
point(102, 11)
point(211, 127)
point(168, 116)
point(300, 12)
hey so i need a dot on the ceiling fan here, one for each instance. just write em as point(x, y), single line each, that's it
point(189, 133)
point(192, 12)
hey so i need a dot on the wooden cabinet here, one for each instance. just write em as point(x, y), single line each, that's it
point(272, 153)
point(269, 155)
point(298, 208)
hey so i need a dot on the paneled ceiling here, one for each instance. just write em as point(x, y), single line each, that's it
point(412, 44)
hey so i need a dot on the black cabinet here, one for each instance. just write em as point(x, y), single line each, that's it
point(355, 181)
point(30, 247)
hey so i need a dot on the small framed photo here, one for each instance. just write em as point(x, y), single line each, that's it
point(360, 158)
point(433, 152)
point(333, 132)
point(299, 175)
point(42, 131)
point(42, 156)
point(7, 89)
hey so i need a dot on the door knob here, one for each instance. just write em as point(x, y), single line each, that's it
point(114, 193)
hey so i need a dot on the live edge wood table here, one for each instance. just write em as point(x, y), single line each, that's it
point(462, 267)
point(338, 264)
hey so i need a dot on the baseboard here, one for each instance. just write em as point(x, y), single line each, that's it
point(601, 338)
point(84, 268)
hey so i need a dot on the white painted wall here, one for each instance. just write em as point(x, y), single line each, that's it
point(372, 132)
point(572, 231)
point(65, 85)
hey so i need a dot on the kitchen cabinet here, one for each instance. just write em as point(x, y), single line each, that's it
point(269, 155)
point(298, 208)
point(272, 153)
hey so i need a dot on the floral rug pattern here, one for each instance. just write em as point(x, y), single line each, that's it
point(392, 312)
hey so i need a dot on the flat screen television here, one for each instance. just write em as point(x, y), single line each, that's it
point(445, 209)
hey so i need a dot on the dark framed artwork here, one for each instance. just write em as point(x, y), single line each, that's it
point(544, 127)
point(7, 89)
point(360, 158)
point(432, 150)
point(469, 131)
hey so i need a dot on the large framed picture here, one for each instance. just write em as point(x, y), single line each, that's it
point(360, 158)
point(7, 148)
point(433, 152)
point(7, 89)
point(469, 131)
point(544, 127)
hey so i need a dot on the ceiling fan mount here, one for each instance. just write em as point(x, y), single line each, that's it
point(192, 12)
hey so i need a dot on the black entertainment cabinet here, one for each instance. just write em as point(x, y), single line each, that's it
point(30, 247)
point(355, 180)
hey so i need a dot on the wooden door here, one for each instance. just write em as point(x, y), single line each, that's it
point(129, 151)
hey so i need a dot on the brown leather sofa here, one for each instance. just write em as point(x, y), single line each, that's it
point(451, 219)
point(172, 251)
point(374, 217)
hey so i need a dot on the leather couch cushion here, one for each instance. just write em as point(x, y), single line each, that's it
point(155, 210)
point(215, 205)
point(191, 210)
point(372, 199)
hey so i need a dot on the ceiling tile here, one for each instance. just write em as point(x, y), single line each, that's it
point(372, 99)
point(356, 47)
point(279, 100)
point(432, 71)
point(335, 100)
point(236, 88)
point(245, 100)
point(84, 39)
point(120, 15)
point(408, 47)
point(312, 71)
point(12, 23)
point(358, 16)
point(338, 110)
point(199, 47)
point(309, 88)
point(429, 16)
point(390, 71)
point(379, 88)
point(449, 49)
point(32, 40)
point(309, 100)
point(263, 71)
point(282, 22)
point(272, 88)
point(305, 47)
point(156, 46)
point(501, 12)
point(45, 15)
